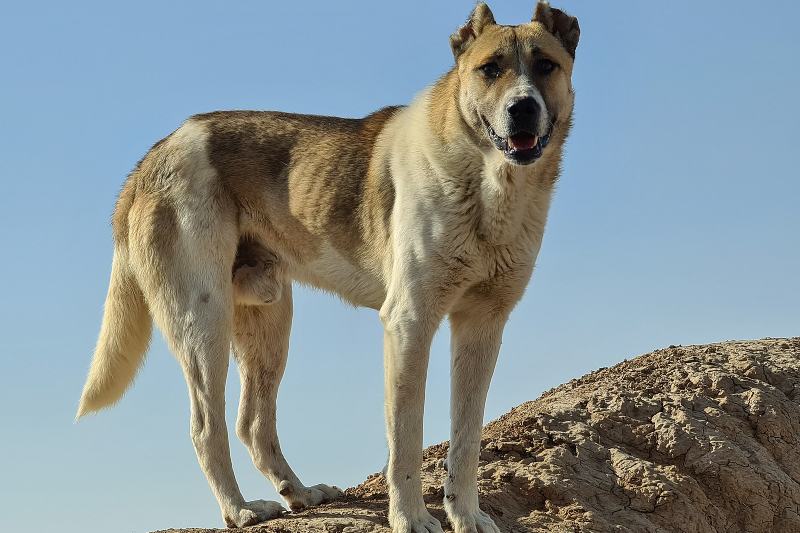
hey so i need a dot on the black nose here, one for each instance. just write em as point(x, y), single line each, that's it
point(524, 111)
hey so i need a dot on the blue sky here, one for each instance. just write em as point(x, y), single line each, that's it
point(675, 221)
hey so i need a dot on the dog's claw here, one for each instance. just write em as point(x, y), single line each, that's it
point(422, 523)
point(472, 522)
point(254, 512)
point(308, 496)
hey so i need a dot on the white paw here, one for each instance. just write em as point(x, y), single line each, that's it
point(419, 522)
point(253, 512)
point(471, 522)
point(299, 499)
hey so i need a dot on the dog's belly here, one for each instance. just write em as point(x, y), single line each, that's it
point(330, 271)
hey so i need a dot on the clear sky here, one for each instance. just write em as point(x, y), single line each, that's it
point(675, 221)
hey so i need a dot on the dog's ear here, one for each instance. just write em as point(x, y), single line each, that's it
point(563, 26)
point(480, 18)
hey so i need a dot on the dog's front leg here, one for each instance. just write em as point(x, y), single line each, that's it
point(410, 321)
point(476, 330)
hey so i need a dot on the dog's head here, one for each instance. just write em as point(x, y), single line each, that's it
point(515, 87)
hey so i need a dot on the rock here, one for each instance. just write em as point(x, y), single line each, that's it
point(688, 438)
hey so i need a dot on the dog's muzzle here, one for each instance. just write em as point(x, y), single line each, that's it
point(522, 147)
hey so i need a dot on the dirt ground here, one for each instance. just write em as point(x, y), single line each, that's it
point(688, 439)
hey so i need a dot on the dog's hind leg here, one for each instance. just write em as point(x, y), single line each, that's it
point(183, 258)
point(261, 344)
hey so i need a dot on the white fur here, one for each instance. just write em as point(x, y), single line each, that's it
point(330, 271)
point(424, 230)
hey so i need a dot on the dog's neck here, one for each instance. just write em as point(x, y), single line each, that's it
point(509, 198)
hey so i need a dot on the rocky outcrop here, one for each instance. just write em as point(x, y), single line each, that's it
point(689, 439)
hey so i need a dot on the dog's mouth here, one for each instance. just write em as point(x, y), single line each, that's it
point(522, 147)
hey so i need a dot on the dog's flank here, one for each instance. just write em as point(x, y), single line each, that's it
point(432, 210)
point(332, 207)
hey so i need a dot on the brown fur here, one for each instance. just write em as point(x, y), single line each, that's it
point(563, 27)
point(262, 157)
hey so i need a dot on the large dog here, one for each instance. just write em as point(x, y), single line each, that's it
point(432, 210)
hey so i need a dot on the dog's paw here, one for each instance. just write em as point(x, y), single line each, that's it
point(472, 522)
point(299, 499)
point(253, 513)
point(419, 522)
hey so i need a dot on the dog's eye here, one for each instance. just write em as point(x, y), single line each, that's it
point(544, 66)
point(490, 70)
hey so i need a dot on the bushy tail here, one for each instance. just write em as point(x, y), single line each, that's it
point(124, 337)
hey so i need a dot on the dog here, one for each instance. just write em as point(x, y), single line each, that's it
point(422, 212)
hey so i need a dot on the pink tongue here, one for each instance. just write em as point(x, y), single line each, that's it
point(523, 142)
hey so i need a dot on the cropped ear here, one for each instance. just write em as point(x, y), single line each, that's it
point(563, 26)
point(480, 18)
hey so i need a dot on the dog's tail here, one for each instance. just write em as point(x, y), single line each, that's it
point(123, 341)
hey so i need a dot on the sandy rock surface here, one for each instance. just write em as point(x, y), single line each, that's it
point(689, 439)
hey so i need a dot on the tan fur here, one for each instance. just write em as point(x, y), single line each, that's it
point(123, 340)
point(415, 212)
